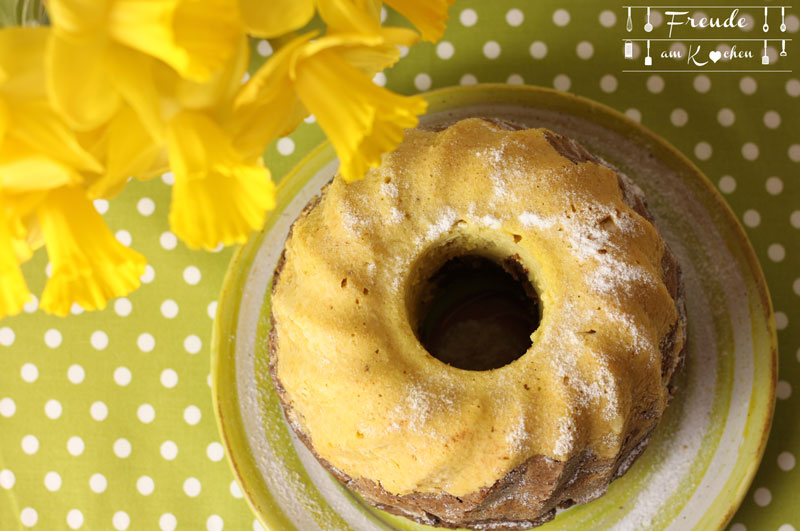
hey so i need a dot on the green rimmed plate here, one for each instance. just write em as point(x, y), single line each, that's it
point(699, 464)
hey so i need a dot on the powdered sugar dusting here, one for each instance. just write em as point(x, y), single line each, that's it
point(532, 220)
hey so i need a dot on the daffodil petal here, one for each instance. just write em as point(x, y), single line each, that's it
point(428, 16)
point(369, 52)
point(273, 18)
point(23, 169)
point(78, 82)
point(21, 61)
point(130, 151)
point(14, 291)
point(133, 74)
point(346, 16)
point(89, 266)
point(195, 37)
point(217, 197)
point(361, 119)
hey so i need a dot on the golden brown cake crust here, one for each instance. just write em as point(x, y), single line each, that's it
point(528, 495)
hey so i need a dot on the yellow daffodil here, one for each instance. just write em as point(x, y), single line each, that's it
point(429, 16)
point(89, 266)
point(273, 18)
point(13, 289)
point(218, 196)
point(89, 41)
point(361, 119)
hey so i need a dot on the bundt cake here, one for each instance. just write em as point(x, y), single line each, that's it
point(484, 329)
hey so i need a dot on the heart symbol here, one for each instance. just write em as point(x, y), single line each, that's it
point(714, 55)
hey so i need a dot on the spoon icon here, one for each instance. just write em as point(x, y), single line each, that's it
point(783, 21)
point(766, 26)
point(648, 27)
point(629, 25)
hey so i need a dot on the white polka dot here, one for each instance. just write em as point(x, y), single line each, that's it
point(727, 184)
point(786, 527)
point(99, 340)
point(52, 338)
point(75, 519)
point(793, 88)
point(776, 252)
point(29, 372)
point(783, 390)
point(608, 18)
point(101, 205)
point(781, 320)
point(30, 444)
point(310, 119)
point(192, 344)
point(655, 84)
point(422, 81)
point(608, 83)
point(76, 309)
point(656, 18)
point(169, 309)
point(75, 446)
point(212, 309)
point(794, 152)
point(264, 48)
point(772, 119)
point(215, 523)
point(236, 490)
point(384, 14)
point(738, 527)
point(491, 50)
point(257, 526)
point(192, 415)
point(146, 342)
point(702, 83)
point(750, 151)
point(774, 185)
point(98, 483)
point(122, 376)
point(167, 522)
point(169, 450)
point(786, 461)
point(192, 487)
point(52, 481)
point(7, 478)
point(285, 146)
point(145, 206)
point(794, 219)
point(121, 520)
point(561, 17)
point(145, 485)
point(168, 178)
point(122, 448)
point(122, 307)
point(562, 82)
point(515, 17)
point(515, 79)
point(726, 117)
point(379, 79)
point(168, 240)
point(149, 274)
point(468, 79)
point(468, 17)
point(634, 114)
point(762, 496)
point(6, 336)
point(679, 117)
point(169, 378)
point(445, 50)
point(48, 269)
point(637, 51)
point(75, 374)
point(98, 410)
point(215, 451)
point(751, 218)
point(28, 516)
point(748, 85)
point(7, 407)
point(146, 413)
point(584, 50)
point(52, 409)
point(538, 50)
point(123, 237)
point(703, 150)
point(792, 23)
point(679, 49)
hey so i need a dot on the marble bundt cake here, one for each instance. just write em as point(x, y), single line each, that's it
point(484, 329)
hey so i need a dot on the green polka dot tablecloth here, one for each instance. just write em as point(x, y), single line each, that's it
point(106, 419)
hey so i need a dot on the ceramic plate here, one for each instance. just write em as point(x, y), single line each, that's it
point(706, 450)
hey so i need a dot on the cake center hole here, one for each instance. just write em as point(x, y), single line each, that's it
point(478, 315)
